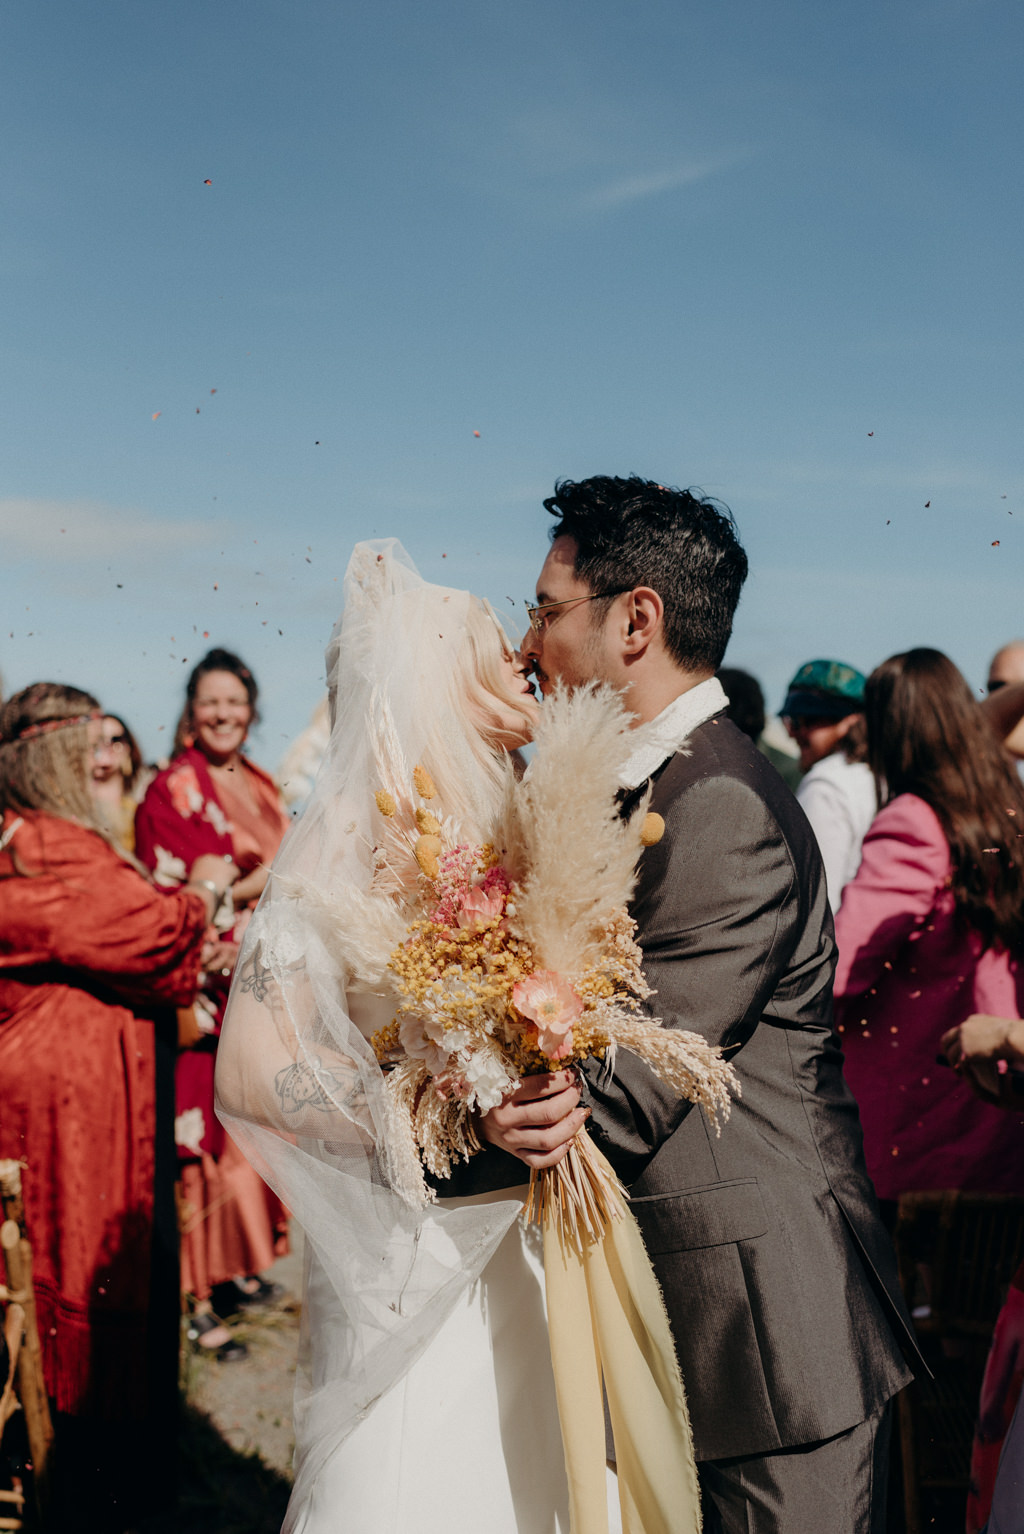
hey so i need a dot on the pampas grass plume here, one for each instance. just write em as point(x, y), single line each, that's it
point(578, 851)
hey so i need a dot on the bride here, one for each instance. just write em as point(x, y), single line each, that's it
point(424, 1396)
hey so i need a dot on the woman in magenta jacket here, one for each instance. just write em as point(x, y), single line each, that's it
point(931, 930)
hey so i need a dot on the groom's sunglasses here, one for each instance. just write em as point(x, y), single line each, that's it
point(537, 620)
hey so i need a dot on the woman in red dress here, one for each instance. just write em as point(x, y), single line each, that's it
point(93, 960)
point(213, 800)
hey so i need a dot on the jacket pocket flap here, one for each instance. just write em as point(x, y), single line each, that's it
point(711, 1216)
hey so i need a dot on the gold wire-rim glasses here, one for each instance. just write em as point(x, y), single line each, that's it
point(533, 610)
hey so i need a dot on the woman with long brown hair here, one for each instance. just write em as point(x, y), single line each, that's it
point(93, 960)
point(931, 930)
point(118, 779)
point(214, 799)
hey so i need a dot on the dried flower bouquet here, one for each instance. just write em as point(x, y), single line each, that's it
point(514, 956)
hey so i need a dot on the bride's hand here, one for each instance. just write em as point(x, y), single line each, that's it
point(539, 1122)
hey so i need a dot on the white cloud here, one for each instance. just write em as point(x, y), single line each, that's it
point(60, 531)
point(654, 183)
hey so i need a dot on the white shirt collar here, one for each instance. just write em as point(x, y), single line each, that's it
point(663, 736)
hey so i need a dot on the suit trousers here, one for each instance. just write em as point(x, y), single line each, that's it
point(835, 1486)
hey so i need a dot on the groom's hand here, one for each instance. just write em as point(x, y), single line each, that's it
point(539, 1122)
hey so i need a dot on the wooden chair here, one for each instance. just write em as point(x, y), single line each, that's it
point(21, 1386)
point(957, 1253)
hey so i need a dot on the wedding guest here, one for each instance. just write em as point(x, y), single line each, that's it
point(746, 700)
point(1006, 669)
point(118, 775)
point(931, 930)
point(214, 800)
point(824, 713)
point(92, 960)
point(747, 712)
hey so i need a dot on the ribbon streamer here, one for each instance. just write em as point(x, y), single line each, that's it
point(607, 1322)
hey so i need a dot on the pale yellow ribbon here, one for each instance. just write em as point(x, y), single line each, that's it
point(606, 1319)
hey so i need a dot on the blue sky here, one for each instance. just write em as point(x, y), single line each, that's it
point(771, 250)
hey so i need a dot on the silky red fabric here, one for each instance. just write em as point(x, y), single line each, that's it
point(910, 969)
point(232, 1224)
point(88, 953)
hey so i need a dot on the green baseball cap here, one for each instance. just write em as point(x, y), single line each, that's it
point(824, 689)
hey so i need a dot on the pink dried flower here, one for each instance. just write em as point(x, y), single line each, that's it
point(496, 879)
point(452, 882)
point(552, 1006)
point(477, 908)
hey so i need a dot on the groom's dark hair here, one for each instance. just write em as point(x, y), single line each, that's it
point(632, 532)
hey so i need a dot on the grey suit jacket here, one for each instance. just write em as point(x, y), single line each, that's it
point(778, 1277)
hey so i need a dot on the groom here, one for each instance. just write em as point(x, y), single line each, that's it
point(778, 1278)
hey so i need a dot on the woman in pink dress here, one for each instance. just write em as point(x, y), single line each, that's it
point(931, 930)
point(213, 799)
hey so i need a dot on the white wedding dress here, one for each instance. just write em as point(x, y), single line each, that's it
point(425, 1401)
point(469, 1435)
point(469, 1438)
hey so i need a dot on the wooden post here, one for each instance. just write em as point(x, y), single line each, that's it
point(31, 1385)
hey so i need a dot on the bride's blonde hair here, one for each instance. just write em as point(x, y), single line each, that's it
point(476, 687)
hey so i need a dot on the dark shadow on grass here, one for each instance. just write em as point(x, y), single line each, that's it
point(220, 1490)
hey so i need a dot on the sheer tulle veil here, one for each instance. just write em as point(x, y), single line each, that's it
point(298, 1085)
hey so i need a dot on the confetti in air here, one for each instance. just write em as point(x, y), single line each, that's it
point(157, 414)
point(476, 434)
point(207, 182)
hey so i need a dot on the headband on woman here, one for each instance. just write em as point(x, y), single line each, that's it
point(32, 730)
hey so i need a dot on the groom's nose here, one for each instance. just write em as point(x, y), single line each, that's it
point(529, 648)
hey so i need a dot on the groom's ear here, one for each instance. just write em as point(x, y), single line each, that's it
point(645, 614)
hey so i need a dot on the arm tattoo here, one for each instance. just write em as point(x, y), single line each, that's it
point(306, 1085)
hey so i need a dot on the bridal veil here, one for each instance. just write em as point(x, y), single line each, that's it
point(298, 1085)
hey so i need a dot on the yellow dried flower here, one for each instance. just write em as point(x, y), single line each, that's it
point(423, 783)
point(652, 830)
point(427, 822)
point(385, 803)
point(428, 854)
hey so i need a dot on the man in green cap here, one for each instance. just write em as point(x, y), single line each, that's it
point(824, 713)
